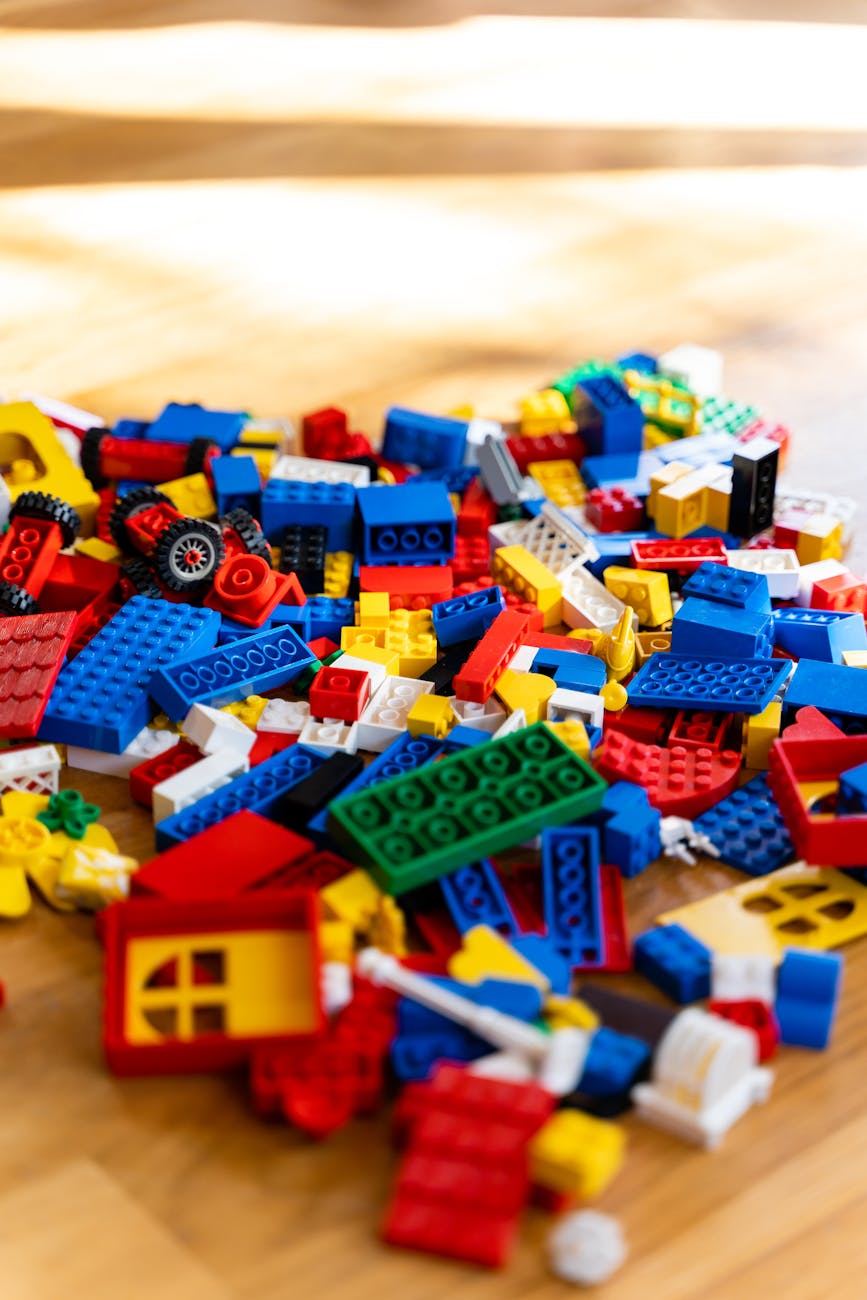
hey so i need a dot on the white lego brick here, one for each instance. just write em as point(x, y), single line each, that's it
point(516, 721)
point(330, 736)
point(523, 658)
point(34, 770)
point(780, 567)
point(384, 719)
point(194, 782)
point(284, 716)
point(816, 572)
point(477, 431)
point(147, 744)
point(64, 412)
point(304, 469)
point(483, 717)
point(743, 977)
point(214, 731)
point(701, 369)
point(587, 602)
point(565, 704)
point(376, 672)
point(288, 444)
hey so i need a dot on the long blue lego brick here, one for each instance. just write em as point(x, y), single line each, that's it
point(703, 682)
point(405, 754)
point(406, 525)
point(259, 663)
point(572, 894)
point(475, 896)
point(258, 790)
point(101, 699)
point(748, 829)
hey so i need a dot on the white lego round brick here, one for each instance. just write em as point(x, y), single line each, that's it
point(586, 1247)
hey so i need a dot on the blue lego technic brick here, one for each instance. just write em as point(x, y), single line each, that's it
point(725, 586)
point(429, 441)
point(839, 691)
point(540, 952)
point(466, 618)
point(669, 681)
point(852, 795)
point(100, 699)
point(405, 754)
point(260, 790)
point(463, 737)
point(237, 483)
point(572, 894)
point(406, 525)
point(700, 625)
point(456, 479)
point(675, 962)
point(610, 421)
point(614, 1062)
point(475, 896)
point(287, 501)
point(819, 634)
point(182, 423)
point(259, 663)
point(643, 362)
point(630, 829)
point(748, 829)
point(614, 548)
point(571, 669)
point(808, 990)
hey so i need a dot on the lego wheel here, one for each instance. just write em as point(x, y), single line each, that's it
point(188, 554)
point(202, 451)
point(252, 538)
point(137, 573)
point(90, 445)
point(132, 503)
point(41, 505)
point(15, 600)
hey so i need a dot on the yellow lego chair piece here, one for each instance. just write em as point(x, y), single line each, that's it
point(29, 443)
point(516, 568)
point(576, 1154)
point(647, 592)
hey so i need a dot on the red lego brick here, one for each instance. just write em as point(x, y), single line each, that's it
point(650, 726)
point(490, 659)
point(247, 589)
point(439, 1228)
point(472, 559)
point(680, 556)
point(754, 1015)
point(845, 592)
point(408, 587)
point(313, 872)
point(324, 430)
point(152, 771)
point(614, 510)
point(695, 729)
point(523, 1107)
point(679, 782)
point(337, 692)
point(142, 459)
point(32, 650)
point(322, 647)
point(478, 511)
point(82, 584)
point(28, 551)
point(551, 641)
point(618, 955)
point(551, 446)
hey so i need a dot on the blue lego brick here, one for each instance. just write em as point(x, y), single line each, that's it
point(126, 485)
point(748, 829)
point(571, 669)
point(808, 990)
point(609, 470)
point(733, 633)
point(643, 362)
point(286, 501)
point(260, 790)
point(725, 586)
point(512, 997)
point(669, 681)
point(297, 617)
point(456, 478)
point(475, 896)
point(405, 754)
point(840, 692)
point(406, 525)
point(675, 962)
point(413, 1056)
point(465, 618)
point(539, 951)
point(852, 796)
point(259, 663)
point(100, 699)
point(630, 830)
point(178, 422)
point(429, 441)
point(613, 422)
point(572, 894)
point(463, 737)
point(237, 482)
point(232, 631)
point(128, 428)
point(614, 1062)
point(325, 616)
point(819, 634)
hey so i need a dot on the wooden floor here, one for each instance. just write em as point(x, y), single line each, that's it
point(277, 205)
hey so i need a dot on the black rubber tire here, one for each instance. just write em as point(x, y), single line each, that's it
point(137, 573)
point(125, 507)
point(90, 445)
point(15, 600)
point(188, 554)
point(42, 505)
point(252, 538)
point(198, 455)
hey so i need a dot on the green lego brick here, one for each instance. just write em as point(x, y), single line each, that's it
point(416, 827)
point(721, 415)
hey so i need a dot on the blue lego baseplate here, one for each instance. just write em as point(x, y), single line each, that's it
point(669, 681)
point(748, 829)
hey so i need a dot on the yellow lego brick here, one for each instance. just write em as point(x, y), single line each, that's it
point(248, 711)
point(648, 593)
point(352, 898)
point(528, 691)
point(97, 549)
point(681, 507)
point(431, 715)
point(855, 658)
point(29, 443)
point(463, 412)
point(263, 456)
point(387, 927)
point(485, 954)
point(664, 478)
point(576, 1154)
point(417, 653)
point(574, 734)
point(336, 941)
point(719, 499)
point(191, 495)
point(521, 572)
point(569, 1013)
point(373, 609)
point(760, 732)
point(650, 643)
point(545, 412)
point(263, 435)
point(821, 538)
point(338, 573)
point(375, 654)
point(412, 621)
point(559, 480)
point(352, 637)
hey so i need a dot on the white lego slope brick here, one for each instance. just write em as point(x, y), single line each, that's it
point(384, 719)
point(780, 567)
point(34, 770)
point(303, 469)
point(565, 705)
point(284, 716)
point(194, 782)
point(587, 602)
point(147, 744)
point(214, 731)
point(330, 736)
point(701, 369)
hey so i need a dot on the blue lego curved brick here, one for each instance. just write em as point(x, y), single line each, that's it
point(429, 441)
point(100, 699)
point(748, 829)
point(616, 421)
point(819, 634)
point(733, 633)
point(727, 586)
point(465, 618)
point(406, 525)
point(614, 1062)
point(674, 961)
point(179, 422)
point(232, 672)
point(286, 501)
point(839, 691)
point(237, 483)
point(808, 991)
point(258, 790)
point(572, 894)
point(631, 831)
point(475, 896)
point(405, 754)
point(571, 669)
point(670, 681)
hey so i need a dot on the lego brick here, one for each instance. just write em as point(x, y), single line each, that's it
point(696, 729)
point(613, 510)
point(679, 782)
point(545, 412)
point(408, 586)
point(609, 421)
point(213, 730)
point(314, 793)
point(428, 441)
point(559, 480)
point(497, 795)
point(463, 618)
point(32, 650)
point(587, 602)
point(332, 505)
point(500, 474)
point(26, 435)
point(192, 783)
point(733, 633)
point(329, 736)
point(675, 962)
point(491, 657)
point(338, 691)
point(431, 715)
point(100, 699)
point(646, 591)
point(748, 830)
point(738, 686)
point(683, 555)
point(182, 422)
point(545, 447)
point(475, 896)
point(614, 1064)
point(754, 467)
point(570, 669)
point(262, 662)
point(405, 524)
point(840, 692)
point(167, 763)
point(819, 634)
point(630, 831)
point(247, 590)
point(729, 586)
point(572, 898)
point(808, 990)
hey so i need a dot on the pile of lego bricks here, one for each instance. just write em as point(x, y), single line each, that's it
point(407, 720)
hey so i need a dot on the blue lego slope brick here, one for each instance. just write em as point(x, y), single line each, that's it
point(100, 700)
point(748, 829)
point(429, 441)
point(232, 672)
point(286, 501)
point(808, 991)
point(614, 1062)
point(840, 692)
point(727, 586)
point(735, 633)
point(406, 525)
point(669, 681)
point(475, 896)
point(572, 894)
point(674, 961)
point(405, 754)
point(182, 423)
point(465, 618)
point(259, 790)
point(237, 483)
point(819, 634)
